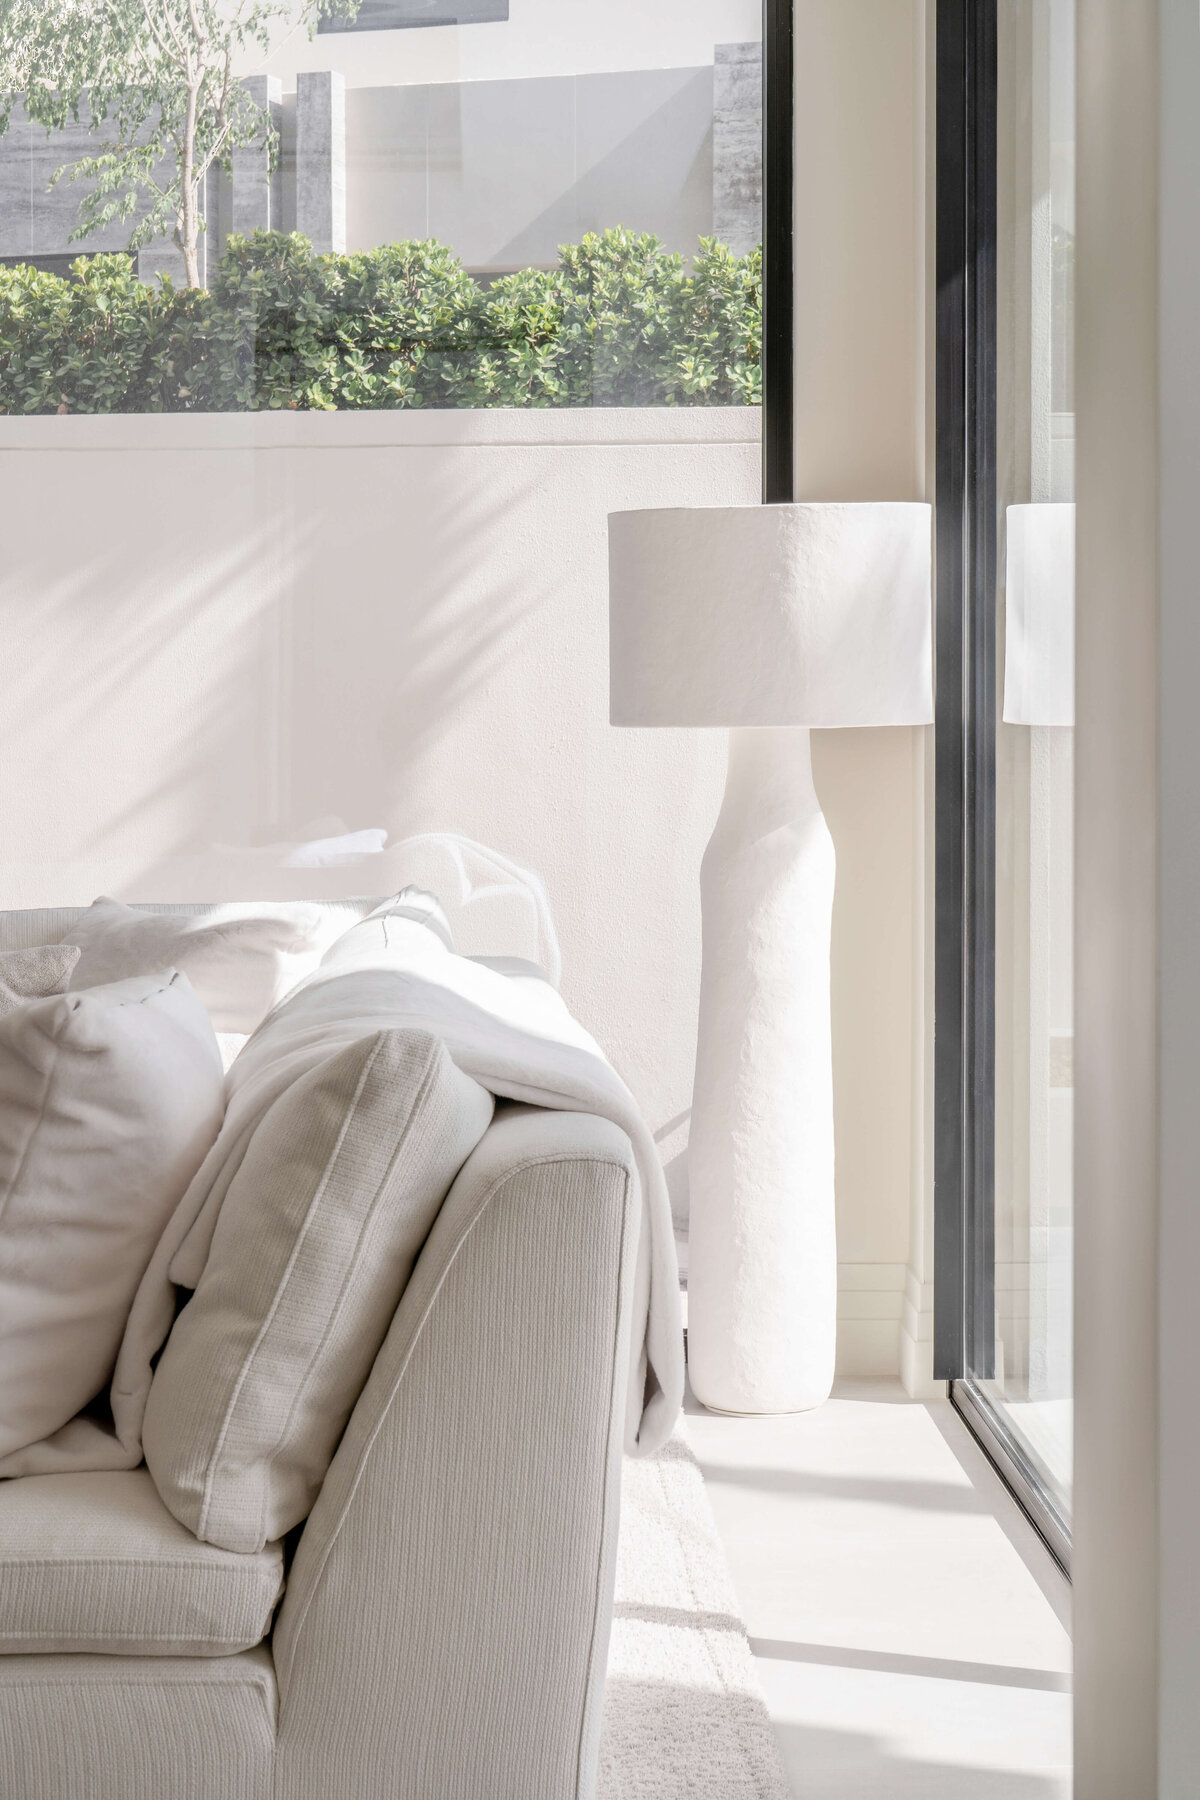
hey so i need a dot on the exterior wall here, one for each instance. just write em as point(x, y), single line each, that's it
point(503, 171)
point(737, 146)
point(539, 38)
point(319, 136)
point(408, 15)
point(36, 218)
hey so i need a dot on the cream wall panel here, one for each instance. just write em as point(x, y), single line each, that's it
point(860, 434)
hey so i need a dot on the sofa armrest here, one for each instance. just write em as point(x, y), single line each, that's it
point(445, 1628)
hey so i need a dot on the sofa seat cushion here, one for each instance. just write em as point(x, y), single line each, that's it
point(95, 1562)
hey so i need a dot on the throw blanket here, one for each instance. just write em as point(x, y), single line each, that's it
point(514, 1035)
point(504, 1025)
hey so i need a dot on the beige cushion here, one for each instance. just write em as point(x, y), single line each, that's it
point(96, 1562)
point(240, 959)
point(35, 974)
point(109, 1101)
point(311, 1252)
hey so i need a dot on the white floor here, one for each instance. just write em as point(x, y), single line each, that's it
point(909, 1628)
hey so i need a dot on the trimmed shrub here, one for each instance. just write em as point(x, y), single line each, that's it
point(619, 322)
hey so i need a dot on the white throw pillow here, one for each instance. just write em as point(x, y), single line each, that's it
point(241, 959)
point(109, 1101)
point(311, 1251)
point(27, 975)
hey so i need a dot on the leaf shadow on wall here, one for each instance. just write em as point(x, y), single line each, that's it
point(208, 648)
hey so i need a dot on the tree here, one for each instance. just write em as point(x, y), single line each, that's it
point(161, 77)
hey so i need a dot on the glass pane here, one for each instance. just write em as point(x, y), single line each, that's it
point(1032, 1383)
point(398, 204)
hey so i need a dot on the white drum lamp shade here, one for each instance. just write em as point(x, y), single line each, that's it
point(1039, 612)
point(813, 615)
point(769, 620)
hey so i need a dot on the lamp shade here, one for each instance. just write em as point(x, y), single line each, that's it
point(813, 614)
point(1039, 614)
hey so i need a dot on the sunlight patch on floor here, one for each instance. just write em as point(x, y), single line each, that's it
point(911, 1632)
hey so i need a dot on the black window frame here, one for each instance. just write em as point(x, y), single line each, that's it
point(778, 252)
point(385, 15)
point(966, 538)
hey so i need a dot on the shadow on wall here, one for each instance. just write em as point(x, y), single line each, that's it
point(269, 653)
point(206, 648)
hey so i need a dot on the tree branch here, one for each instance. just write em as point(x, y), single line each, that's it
point(156, 34)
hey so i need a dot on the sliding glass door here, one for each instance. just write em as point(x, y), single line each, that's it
point(1005, 414)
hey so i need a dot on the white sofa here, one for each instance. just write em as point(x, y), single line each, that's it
point(443, 1629)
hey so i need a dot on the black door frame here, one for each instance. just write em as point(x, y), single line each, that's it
point(778, 286)
point(965, 753)
point(965, 708)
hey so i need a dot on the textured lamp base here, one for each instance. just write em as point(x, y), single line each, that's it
point(762, 1252)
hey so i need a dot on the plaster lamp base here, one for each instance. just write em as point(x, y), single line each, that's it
point(762, 1252)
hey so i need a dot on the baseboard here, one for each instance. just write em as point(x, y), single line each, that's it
point(877, 1328)
point(916, 1341)
point(870, 1312)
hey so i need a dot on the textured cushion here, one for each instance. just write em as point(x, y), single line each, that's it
point(138, 1727)
point(240, 959)
point(310, 1254)
point(96, 1562)
point(35, 974)
point(109, 1101)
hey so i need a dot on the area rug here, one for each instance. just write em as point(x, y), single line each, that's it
point(684, 1717)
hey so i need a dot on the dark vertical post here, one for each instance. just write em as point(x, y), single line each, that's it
point(964, 960)
point(778, 229)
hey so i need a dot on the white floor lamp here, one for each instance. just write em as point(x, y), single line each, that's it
point(769, 620)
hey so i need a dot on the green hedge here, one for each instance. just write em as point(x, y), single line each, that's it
point(619, 322)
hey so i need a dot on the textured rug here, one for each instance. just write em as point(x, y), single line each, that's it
point(684, 1717)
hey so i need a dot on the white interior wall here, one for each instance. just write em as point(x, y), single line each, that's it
point(860, 434)
point(217, 629)
point(1137, 987)
point(540, 37)
point(1179, 901)
point(1137, 1577)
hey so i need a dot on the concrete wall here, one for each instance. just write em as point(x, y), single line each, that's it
point(409, 15)
point(37, 218)
point(505, 171)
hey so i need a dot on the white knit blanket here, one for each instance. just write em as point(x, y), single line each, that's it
point(514, 1035)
